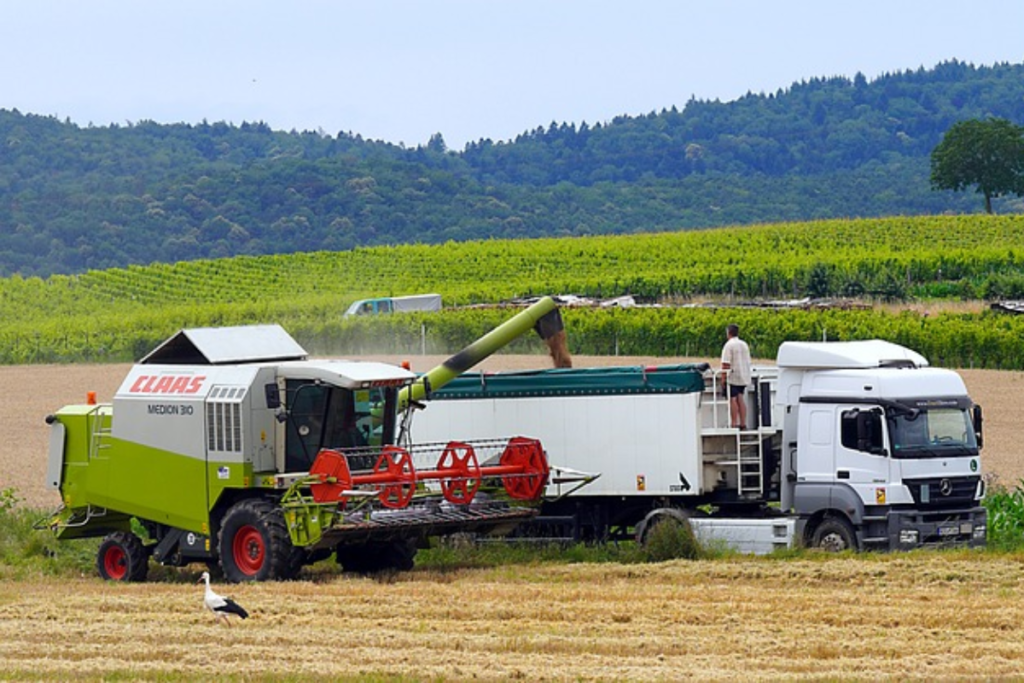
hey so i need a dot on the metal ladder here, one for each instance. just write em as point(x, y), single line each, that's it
point(99, 437)
point(749, 459)
point(742, 449)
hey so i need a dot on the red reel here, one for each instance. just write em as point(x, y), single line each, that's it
point(527, 455)
point(335, 477)
point(397, 464)
point(461, 471)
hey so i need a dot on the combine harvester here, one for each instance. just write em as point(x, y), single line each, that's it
point(230, 447)
point(851, 445)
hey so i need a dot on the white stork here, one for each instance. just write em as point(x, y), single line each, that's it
point(218, 604)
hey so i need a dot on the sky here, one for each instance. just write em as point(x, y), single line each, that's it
point(403, 70)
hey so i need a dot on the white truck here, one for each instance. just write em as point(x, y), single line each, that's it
point(395, 304)
point(849, 445)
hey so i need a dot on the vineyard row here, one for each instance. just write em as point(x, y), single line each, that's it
point(986, 340)
point(892, 258)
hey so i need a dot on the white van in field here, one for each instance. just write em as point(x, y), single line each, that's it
point(395, 304)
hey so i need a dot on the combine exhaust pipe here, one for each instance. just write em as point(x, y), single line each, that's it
point(543, 316)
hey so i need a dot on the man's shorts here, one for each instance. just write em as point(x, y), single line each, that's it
point(737, 390)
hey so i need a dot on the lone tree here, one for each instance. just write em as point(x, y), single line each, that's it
point(989, 154)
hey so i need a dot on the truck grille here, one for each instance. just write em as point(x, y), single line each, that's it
point(943, 492)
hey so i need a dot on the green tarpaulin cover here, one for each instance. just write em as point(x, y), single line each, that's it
point(656, 379)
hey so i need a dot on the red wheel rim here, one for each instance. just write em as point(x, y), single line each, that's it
point(115, 562)
point(249, 550)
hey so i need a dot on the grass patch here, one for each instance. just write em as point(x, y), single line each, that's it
point(671, 539)
point(448, 554)
point(1005, 517)
point(26, 551)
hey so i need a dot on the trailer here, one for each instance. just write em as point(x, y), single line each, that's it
point(848, 445)
point(230, 446)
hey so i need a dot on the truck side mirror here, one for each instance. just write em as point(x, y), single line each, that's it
point(869, 432)
point(272, 396)
point(977, 424)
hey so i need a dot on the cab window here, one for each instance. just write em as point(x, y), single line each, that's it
point(862, 431)
point(324, 416)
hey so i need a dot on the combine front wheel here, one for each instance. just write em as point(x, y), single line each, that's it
point(122, 557)
point(254, 544)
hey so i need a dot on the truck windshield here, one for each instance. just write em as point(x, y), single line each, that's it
point(932, 433)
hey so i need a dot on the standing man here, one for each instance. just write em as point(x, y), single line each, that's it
point(736, 374)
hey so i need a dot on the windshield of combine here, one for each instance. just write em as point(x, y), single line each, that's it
point(323, 416)
point(932, 433)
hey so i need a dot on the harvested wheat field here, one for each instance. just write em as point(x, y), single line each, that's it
point(917, 616)
point(931, 616)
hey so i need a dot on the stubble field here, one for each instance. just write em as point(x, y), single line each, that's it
point(916, 616)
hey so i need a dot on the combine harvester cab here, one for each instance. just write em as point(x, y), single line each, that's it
point(229, 446)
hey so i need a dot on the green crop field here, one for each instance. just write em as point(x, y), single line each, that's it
point(120, 314)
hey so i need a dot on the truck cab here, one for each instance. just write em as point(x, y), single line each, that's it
point(370, 307)
point(878, 449)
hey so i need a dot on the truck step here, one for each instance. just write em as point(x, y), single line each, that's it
point(875, 540)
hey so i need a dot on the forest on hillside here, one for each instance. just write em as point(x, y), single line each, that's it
point(75, 198)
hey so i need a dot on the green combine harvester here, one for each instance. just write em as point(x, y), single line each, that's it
point(229, 446)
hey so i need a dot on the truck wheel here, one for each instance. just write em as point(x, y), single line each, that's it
point(254, 544)
point(122, 557)
point(666, 534)
point(370, 558)
point(834, 535)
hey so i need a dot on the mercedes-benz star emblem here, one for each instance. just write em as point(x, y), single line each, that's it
point(945, 487)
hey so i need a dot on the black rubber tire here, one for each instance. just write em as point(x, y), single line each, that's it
point(370, 558)
point(666, 534)
point(122, 557)
point(835, 535)
point(400, 555)
point(254, 544)
point(642, 531)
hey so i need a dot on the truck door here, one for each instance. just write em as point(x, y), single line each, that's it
point(861, 455)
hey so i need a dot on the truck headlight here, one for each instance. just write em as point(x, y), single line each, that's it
point(979, 532)
point(908, 536)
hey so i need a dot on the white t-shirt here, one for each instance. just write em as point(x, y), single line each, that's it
point(737, 354)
